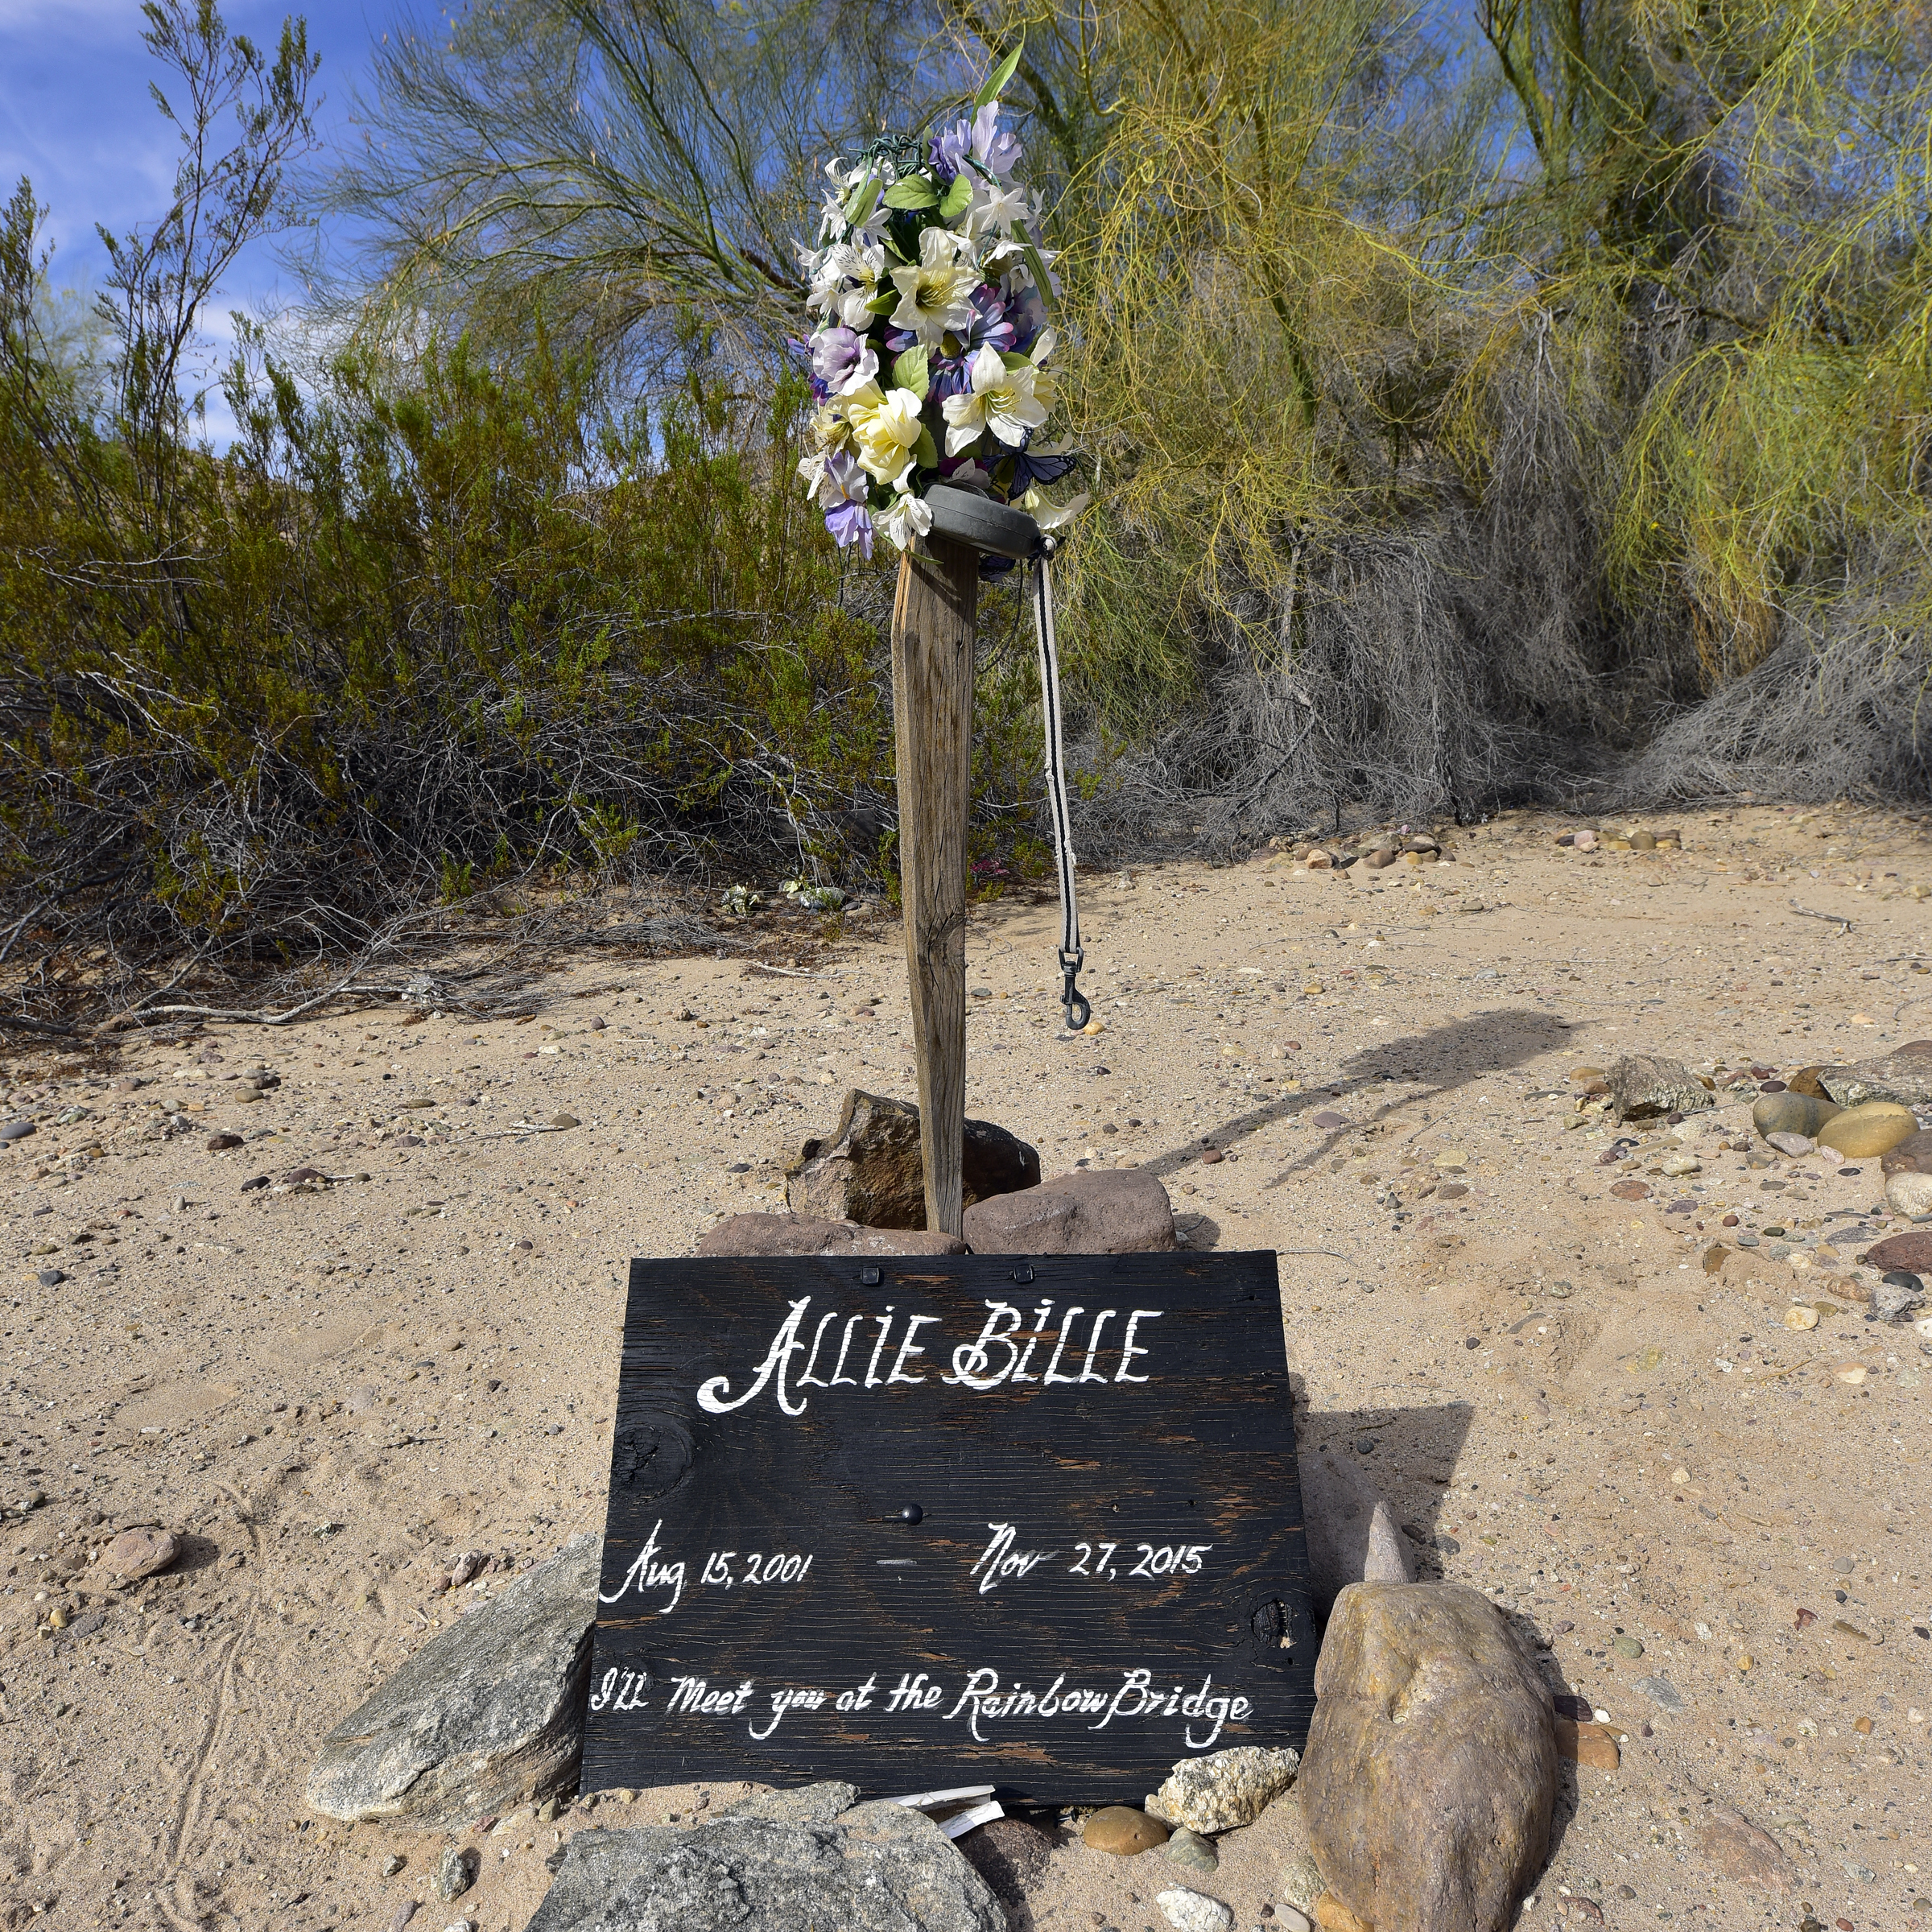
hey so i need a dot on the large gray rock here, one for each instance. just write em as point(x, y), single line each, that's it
point(1430, 1770)
point(1905, 1076)
point(1117, 1211)
point(869, 1170)
point(878, 1868)
point(1352, 1533)
point(801, 1234)
point(1645, 1085)
point(1225, 1790)
point(488, 1715)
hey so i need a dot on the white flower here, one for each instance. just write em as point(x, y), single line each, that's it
point(887, 428)
point(812, 469)
point(909, 519)
point(850, 276)
point(994, 209)
point(1002, 399)
point(936, 295)
point(1053, 516)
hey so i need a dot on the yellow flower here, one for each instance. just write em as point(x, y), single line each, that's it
point(887, 428)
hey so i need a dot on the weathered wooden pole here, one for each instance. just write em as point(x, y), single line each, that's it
point(932, 628)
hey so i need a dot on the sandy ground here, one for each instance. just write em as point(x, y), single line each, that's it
point(332, 1394)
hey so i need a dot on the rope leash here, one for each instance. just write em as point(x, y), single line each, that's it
point(1078, 1009)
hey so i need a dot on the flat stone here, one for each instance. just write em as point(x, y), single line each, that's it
point(1193, 1911)
point(1873, 1127)
point(138, 1553)
point(1746, 1855)
point(1586, 1743)
point(1010, 1855)
point(1797, 1145)
point(1430, 1770)
point(1630, 1191)
point(1225, 1790)
point(869, 1170)
point(1644, 1086)
point(801, 1234)
point(1791, 1113)
point(565, 1120)
point(879, 1867)
point(487, 1715)
point(1905, 1077)
point(16, 1130)
point(220, 1143)
point(1190, 1849)
point(1663, 1693)
point(1117, 1211)
point(1912, 1252)
point(818, 1804)
point(1123, 1830)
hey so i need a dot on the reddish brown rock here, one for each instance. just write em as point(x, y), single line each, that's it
point(1119, 1210)
point(870, 1169)
point(138, 1553)
point(1585, 1743)
point(1912, 1155)
point(1431, 1771)
point(1743, 1854)
point(1631, 1191)
point(800, 1234)
point(1912, 1252)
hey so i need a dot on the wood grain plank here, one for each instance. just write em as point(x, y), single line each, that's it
point(932, 634)
point(901, 1479)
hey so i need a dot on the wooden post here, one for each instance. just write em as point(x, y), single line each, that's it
point(932, 628)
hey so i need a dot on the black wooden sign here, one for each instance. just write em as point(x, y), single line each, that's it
point(974, 1520)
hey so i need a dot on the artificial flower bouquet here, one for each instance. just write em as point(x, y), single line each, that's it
point(929, 359)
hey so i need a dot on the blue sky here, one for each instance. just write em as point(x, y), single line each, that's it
point(75, 116)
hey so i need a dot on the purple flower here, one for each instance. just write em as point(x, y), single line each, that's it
point(846, 486)
point(947, 376)
point(947, 150)
point(851, 523)
point(836, 353)
point(995, 150)
point(991, 322)
point(1028, 315)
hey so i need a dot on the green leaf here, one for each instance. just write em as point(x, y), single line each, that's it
point(999, 76)
point(925, 452)
point(1014, 359)
point(952, 204)
point(912, 191)
point(909, 371)
point(884, 302)
point(860, 206)
point(1036, 264)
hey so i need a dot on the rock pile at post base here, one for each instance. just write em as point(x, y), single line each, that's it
point(487, 1715)
point(1431, 1771)
point(1117, 1211)
point(795, 1860)
point(870, 1169)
